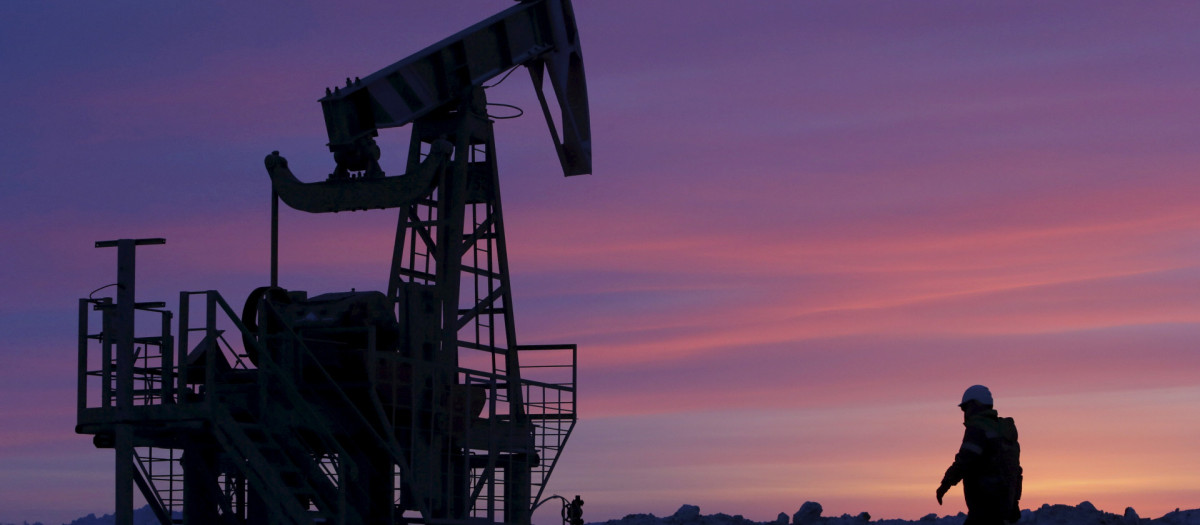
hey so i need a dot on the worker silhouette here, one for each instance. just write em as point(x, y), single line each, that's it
point(988, 463)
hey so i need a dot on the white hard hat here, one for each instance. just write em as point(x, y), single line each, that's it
point(979, 394)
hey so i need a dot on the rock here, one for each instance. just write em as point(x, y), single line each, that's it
point(1131, 516)
point(809, 514)
point(686, 514)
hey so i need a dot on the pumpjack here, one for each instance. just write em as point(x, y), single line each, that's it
point(412, 405)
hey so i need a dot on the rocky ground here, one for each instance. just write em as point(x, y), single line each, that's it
point(810, 514)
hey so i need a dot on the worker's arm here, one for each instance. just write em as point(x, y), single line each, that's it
point(968, 455)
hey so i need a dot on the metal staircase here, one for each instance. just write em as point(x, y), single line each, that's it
point(158, 473)
point(292, 485)
point(282, 442)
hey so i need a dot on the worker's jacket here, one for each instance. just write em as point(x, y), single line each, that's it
point(988, 464)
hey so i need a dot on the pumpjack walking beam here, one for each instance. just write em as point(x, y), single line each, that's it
point(539, 34)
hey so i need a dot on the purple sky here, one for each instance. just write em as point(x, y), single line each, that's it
point(810, 227)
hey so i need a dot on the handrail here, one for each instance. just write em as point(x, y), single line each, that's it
point(523, 381)
point(157, 378)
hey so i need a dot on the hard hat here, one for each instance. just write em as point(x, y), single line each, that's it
point(979, 394)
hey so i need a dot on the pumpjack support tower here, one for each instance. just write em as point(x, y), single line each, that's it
point(411, 405)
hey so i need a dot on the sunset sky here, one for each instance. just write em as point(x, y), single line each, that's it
point(810, 226)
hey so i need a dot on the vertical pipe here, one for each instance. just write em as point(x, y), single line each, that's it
point(81, 400)
point(123, 439)
point(107, 334)
point(123, 432)
point(124, 323)
point(212, 350)
point(274, 237)
point(168, 364)
point(493, 453)
point(184, 328)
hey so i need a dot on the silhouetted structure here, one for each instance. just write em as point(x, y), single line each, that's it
point(414, 405)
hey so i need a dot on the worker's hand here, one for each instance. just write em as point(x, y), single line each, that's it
point(941, 491)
